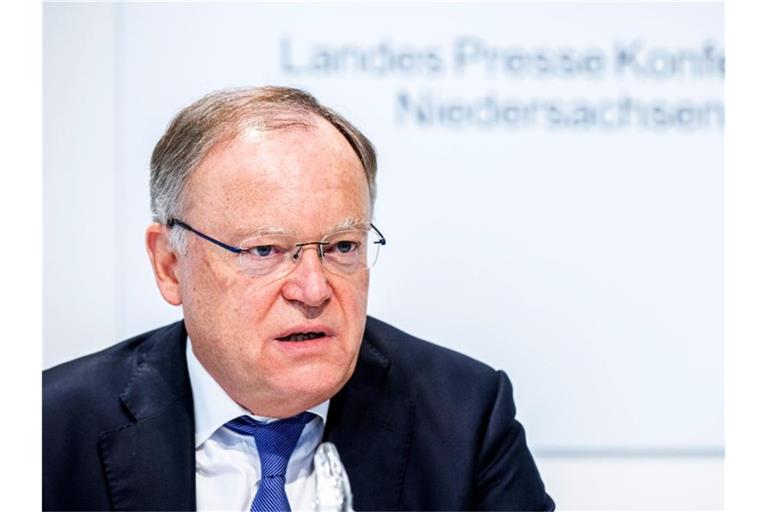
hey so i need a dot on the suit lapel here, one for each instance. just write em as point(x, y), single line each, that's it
point(150, 462)
point(372, 427)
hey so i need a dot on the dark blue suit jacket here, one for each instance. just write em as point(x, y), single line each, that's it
point(418, 427)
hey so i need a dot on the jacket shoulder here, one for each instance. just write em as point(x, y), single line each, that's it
point(425, 362)
point(464, 428)
point(83, 400)
point(91, 382)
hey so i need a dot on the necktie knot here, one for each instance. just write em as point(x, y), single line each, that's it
point(275, 441)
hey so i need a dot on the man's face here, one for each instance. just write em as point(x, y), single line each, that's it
point(304, 181)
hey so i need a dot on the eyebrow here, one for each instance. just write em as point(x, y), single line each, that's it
point(261, 230)
point(348, 223)
point(344, 224)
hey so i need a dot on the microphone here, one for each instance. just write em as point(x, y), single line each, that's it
point(332, 491)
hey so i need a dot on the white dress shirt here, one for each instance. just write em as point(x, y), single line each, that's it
point(228, 469)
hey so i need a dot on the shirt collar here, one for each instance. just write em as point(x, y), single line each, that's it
point(213, 406)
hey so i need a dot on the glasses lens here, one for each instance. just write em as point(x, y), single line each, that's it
point(343, 252)
point(348, 251)
point(267, 254)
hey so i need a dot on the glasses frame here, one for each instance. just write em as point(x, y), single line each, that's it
point(238, 250)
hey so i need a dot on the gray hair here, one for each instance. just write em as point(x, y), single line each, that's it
point(222, 116)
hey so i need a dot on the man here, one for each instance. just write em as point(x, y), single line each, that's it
point(262, 203)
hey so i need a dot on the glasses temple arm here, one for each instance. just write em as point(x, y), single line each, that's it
point(184, 225)
point(382, 240)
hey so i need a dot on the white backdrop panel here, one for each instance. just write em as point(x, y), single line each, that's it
point(550, 185)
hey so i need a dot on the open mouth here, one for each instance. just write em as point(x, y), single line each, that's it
point(302, 336)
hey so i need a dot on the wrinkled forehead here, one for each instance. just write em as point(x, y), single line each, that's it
point(282, 178)
point(344, 225)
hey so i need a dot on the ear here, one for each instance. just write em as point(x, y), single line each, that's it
point(164, 262)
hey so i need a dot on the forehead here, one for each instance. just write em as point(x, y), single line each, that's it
point(296, 177)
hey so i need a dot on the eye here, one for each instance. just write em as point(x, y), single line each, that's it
point(263, 251)
point(343, 247)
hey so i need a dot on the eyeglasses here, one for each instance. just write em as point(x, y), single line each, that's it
point(342, 252)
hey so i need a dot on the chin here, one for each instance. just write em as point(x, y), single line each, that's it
point(319, 384)
point(310, 387)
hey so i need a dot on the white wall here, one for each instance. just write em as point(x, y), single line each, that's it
point(599, 287)
point(79, 151)
point(634, 483)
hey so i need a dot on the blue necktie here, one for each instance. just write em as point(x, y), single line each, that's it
point(275, 442)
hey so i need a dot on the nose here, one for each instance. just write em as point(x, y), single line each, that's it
point(308, 282)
